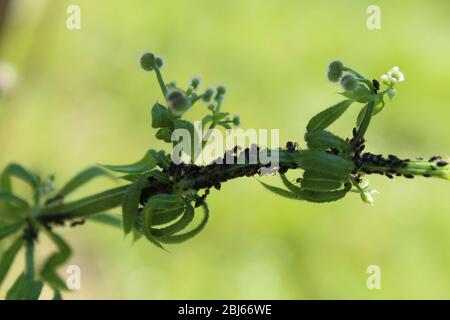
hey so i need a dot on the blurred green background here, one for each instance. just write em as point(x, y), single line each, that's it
point(80, 98)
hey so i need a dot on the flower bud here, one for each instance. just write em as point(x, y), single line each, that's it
point(221, 90)
point(208, 94)
point(367, 196)
point(349, 82)
point(211, 107)
point(335, 71)
point(391, 93)
point(147, 61)
point(236, 120)
point(159, 62)
point(195, 83)
point(178, 101)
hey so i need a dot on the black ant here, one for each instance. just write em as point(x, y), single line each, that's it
point(291, 146)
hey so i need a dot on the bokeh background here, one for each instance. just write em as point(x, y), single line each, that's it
point(78, 97)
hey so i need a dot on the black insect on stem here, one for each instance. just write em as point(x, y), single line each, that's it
point(376, 86)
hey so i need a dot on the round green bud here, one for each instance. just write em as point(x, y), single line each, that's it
point(195, 82)
point(208, 94)
point(221, 90)
point(171, 84)
point(211, 107)
point(349, 82)
point(178, 101)
point(159, 62)
point(236, 120)
point(335, 71)
point(147, 61)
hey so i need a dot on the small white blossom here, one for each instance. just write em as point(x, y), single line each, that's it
point(392, 77)
point(367, 196)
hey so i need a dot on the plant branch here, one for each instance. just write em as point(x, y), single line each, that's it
point(195, 177)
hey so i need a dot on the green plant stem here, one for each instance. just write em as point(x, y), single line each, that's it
point(29, 260)
point(112, 198)
point(160, 80)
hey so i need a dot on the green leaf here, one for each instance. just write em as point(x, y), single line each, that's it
point(161, 158)
point(293, 188)
point(377, 109)
point(145, 164)
point(107, 219)
point(158, 175)
point(325, 118)
point(221, 115)
point(16, 170)
point(130, 204)
point(321, 197)
point(7, 230)
point(8, 258)
point(360, 94)
point(281, 192)
point(165, 201)
point(161, 116)
point(82, 178)
point(176, 227)
point(147, 223)
point(167, 215)
point(178, 238)
point(57, 259)
point(195, 139)
point(93, 204)
point(18, 289)
point(206, 119)
point(164, 134)
point(14, 200)
point(324, 162)
point(35, 290)
point(321, 140)
point(318, 181)
point(57, 295)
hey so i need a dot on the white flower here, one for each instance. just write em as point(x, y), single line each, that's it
point(392, 77)
point(396, 74)
point(367, 196)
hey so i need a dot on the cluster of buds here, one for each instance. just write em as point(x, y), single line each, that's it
point(392, 77)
